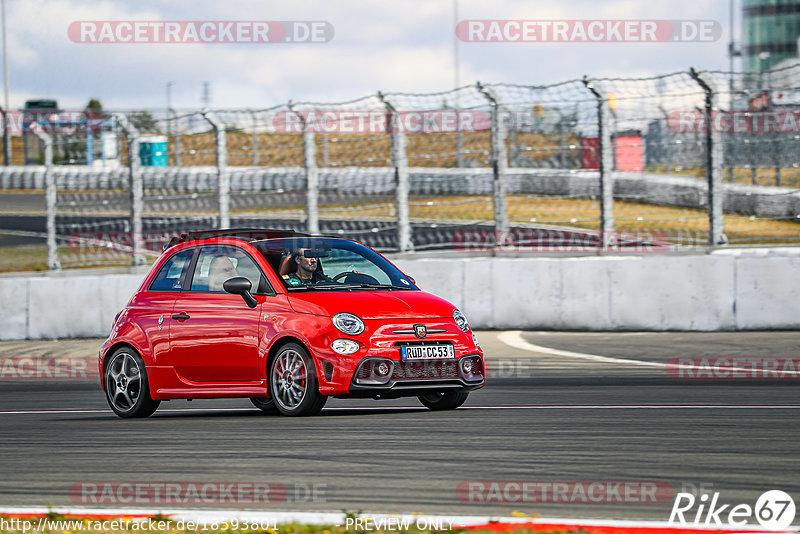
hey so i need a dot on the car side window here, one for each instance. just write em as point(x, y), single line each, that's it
point(170, 276)
point(216, 264)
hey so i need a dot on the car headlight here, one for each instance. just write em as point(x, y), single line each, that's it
point(460, 320)
point(348, 323)
point(116, 318)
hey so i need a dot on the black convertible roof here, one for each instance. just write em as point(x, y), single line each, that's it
point(245, 234)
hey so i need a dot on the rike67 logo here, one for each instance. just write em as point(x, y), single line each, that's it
point(774, 510)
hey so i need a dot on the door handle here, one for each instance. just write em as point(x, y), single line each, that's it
point(180, 316)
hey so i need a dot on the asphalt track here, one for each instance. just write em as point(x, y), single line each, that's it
point(591, 407)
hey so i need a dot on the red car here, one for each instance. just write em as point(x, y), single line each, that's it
point(287, 320)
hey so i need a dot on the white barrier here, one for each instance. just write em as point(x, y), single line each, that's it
point(724, 290)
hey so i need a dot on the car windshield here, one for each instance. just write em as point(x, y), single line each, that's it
point(325, 264)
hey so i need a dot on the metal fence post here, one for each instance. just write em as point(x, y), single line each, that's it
point(177, 137)
point(605, 166)
point(312, 182)
point(255, 139)
point(50, 194)
point(399, 143)
point(713, 163)
point(499, 163)
point(666, 141)
point(136, 189)
point(312, 175)
point(223, 178)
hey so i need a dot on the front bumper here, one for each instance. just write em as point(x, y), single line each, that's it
point(416, 377)
point(346, 375)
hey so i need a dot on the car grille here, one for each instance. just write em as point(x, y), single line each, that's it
point(420, 369)
point(425, 369)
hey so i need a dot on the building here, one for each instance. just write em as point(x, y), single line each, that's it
point(770, 32)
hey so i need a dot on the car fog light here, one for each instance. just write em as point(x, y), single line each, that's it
point(467, 365)
point(382, 369)
point(344, 346)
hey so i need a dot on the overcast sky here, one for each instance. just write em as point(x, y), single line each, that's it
point(378, 45)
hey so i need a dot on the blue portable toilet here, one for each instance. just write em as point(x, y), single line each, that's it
point(153, 151)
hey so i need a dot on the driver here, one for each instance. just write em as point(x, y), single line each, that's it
point(306, 272)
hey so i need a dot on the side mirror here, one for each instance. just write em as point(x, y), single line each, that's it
point(240, 285)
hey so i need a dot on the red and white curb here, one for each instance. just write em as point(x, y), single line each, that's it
point(387, 521)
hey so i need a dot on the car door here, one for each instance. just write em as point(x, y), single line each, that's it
point(153, 307)
point(213, 334)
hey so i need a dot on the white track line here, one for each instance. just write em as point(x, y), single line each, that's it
point(211, 411)
point(513, 338)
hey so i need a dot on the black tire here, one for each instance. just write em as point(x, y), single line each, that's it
point(444, 400)
point(265, 404)
point(293, 384)
point(126, 386)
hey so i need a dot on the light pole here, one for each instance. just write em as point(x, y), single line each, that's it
point(457, 83)
point(167, 118)
point(762, 57)
point(6, 144)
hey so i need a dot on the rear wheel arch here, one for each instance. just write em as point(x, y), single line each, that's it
point(118, 345)
point(114, 348)
point(134, 338)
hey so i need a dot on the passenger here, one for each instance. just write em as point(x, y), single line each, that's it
point(221, 269)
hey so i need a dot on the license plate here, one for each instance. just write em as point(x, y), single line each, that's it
point(428, 352)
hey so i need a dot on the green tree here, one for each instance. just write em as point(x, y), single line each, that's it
point(94, 105)
point(144, 121)
point(94, 109)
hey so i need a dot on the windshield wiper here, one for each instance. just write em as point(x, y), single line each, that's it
point(312, 286)
point(346, 286)
point(379, 286)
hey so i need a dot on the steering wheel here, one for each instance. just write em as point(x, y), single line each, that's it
point(339, 277)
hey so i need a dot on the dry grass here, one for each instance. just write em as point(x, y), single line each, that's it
point(23, 258)
point(356, 150)
point(685, 223)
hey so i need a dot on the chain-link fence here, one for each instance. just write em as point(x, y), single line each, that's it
point(590, 165)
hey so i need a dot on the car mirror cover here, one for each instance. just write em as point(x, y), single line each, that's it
point(237, 285)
